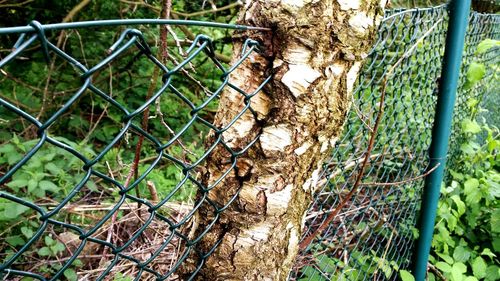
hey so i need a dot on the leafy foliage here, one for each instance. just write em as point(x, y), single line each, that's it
point(41, 89)
point(466, 243)
point(467, 239)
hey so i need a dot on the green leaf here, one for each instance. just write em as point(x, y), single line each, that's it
point(495, 221)
point(487, 44)
point(492, 273)
point(406, 276)
point(479, 267)
point(27, 232)
point(461, 254)
point(475, 73)
point(92, 186)
point(53, 168)
point(470, 126)
point(488, 252)
point(457, 271)
point(12, 158)
point(32, 185)
point(7, 148)
point(446, 258)
point(70, 274)
point(78, 263)
point(44, 251)
point(456, 175)
point(496, 244)
point(471, 190)
point(58, 247)
point(470, 184)
point(14, 210)
point(15, 240)
point(49, 241)
point(460, 204)
point(16, 184)
point(444, 267)
point(48, 186)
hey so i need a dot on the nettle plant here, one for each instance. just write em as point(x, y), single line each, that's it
point(466, 242)
point(467, 239)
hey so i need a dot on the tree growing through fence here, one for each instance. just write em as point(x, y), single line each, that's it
point(314, 54)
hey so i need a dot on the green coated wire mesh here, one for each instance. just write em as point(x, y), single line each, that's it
point(115, 221)
point(485, 92)
point(373, 236)
point(111, 220)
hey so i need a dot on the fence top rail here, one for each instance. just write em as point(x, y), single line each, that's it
point(399, 12)
point(118, 22)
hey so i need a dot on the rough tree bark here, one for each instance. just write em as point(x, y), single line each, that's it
point(315, 52)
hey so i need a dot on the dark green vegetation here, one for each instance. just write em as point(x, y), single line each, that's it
point(91, 123)
point(466, 243)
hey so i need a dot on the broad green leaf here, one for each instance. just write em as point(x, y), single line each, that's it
point(53, 168)
point(16, 184)
point(457, 271)
point(492, 273)
point(461, 254)
point(475, 73)
point(58, 247)
point(13, 158)
point(7, 148)
point(13, 210)
point(456, 175)
point(446, 258)
point(470, 278)
point(479, 267)
point(460, 204)
point(49, 241)
point(487, 44)
point(444, 267)
point(472, 191)
point(32, 185)
point(70, 274)
point(469, 126)
point(15, 240)
point(496, 244)
point(78, 263)
point(470, 184)
point(48, 186)
point(472, 102)
point(406, 276)
point(27, 232)
point(44, 251)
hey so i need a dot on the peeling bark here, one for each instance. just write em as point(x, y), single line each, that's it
point(315, 53)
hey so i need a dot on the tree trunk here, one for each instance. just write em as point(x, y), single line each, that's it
point(315, 52)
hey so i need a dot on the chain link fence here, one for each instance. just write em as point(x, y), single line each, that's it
point(373, 236)
point(111, 220)
point(130, 193)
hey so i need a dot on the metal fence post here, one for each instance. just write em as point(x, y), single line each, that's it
point(457, 25)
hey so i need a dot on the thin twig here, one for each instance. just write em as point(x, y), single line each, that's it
point(75, 10)
point(134, 169)
point(305, 243)
point(436, 272)
point(403, 181)
point(13, 5)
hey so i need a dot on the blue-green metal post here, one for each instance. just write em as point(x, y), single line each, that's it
point(457, 25)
